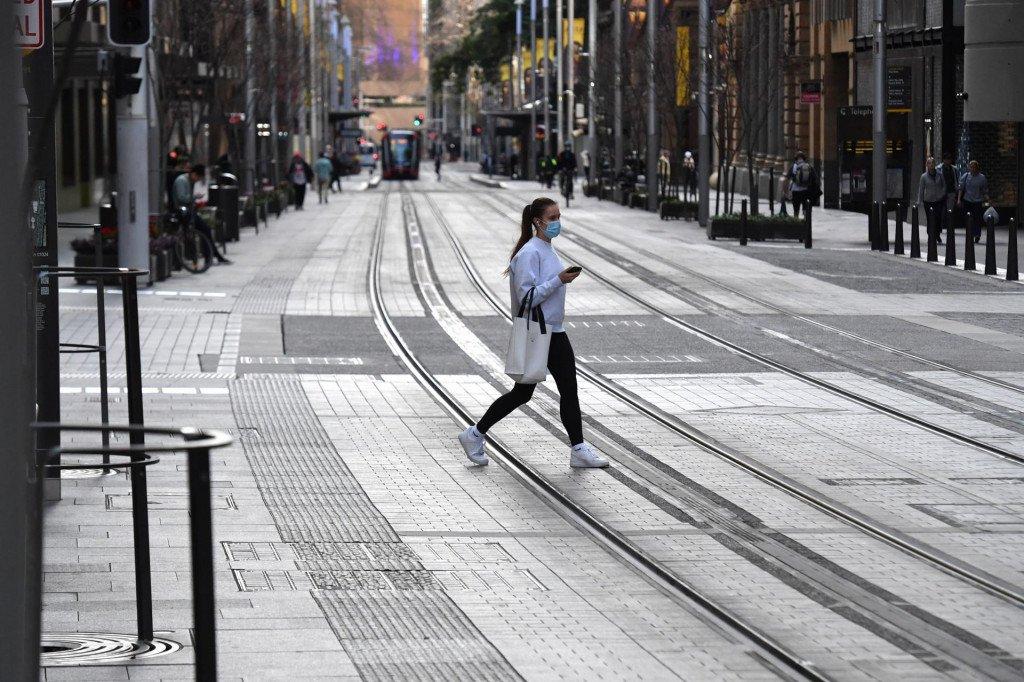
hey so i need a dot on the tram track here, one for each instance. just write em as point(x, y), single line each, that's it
point(613, 541)
point(804, 377)
point(938, 643)
point(892, 537)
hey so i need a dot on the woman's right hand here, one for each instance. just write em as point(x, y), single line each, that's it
point(567, 276)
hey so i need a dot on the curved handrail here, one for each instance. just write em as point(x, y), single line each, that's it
point(72, 271)
point(194, 439)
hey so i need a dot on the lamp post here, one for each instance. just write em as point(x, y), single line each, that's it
point(547, 82)
point(559, 83)
point(272, 39)
point(570, 88)
point(533, 91)
point(704, 114)
point(617, 104)
point(653, 141)
point(878, 112)
point(517, 100)
point(591, 83)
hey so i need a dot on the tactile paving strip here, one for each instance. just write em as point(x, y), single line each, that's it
point(394, 624)
point(308, 489)
point(411, 635)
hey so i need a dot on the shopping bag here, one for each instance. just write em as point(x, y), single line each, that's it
point(527, 358)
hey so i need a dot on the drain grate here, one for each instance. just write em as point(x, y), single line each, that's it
point(90, 648)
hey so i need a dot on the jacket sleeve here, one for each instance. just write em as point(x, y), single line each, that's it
point(526, 270)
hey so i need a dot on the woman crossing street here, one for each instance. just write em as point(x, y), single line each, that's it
point(535, 267)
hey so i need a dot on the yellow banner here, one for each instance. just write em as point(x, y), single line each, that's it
point(578, 31)
point(682, 66)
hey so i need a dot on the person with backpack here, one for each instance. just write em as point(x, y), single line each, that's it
point(972, 197)
point(299, 174)
point(801, 183)
point(536, 268)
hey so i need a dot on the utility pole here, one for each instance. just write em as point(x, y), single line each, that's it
point(652, 107)
point(275, 170)
point(133, 174)
point(249, 172)
point(878, 163)
point(20, 506)
point(532, 170)
point(570, 90)
point(547, 82)
point(559, 81)
point(617, 104)
point(591, 83)
point(704, 114)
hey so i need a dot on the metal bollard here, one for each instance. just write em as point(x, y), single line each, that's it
point(201, 535)
point(915, 233)
point(743, 223)
point(808, 236)
point(1011, 254)
point(873, 226)
point(933, 234)
point(898, 247)
point(950, 239)
point(969, 262)
point(990, 248)
point(771, 191)
point(883, 228)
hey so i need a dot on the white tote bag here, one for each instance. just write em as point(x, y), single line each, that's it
point(527, 358)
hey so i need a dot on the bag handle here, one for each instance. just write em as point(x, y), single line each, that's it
point(532, 312)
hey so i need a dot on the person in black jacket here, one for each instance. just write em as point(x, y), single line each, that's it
point(299, 174)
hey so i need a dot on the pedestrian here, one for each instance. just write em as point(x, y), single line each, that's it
point(437, 165)
point(690, 174)
point(323, 169)
point(513, 162)
point(299, 174)
point(664, 172)
point(931, 195)
point(972, 197)
point(337, 170)
point(801, 183)
point(535, 265)
point(183, 193)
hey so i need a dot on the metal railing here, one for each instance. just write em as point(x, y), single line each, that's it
point(197, 444)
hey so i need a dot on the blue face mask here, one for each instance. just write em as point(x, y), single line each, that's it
point(553, 228)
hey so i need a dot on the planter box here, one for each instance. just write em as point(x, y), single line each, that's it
point(86, 260)
point(759, 227)
point(677, 210)
point(625, 198)
point(637, 200)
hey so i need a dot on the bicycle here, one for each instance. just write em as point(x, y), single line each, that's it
point(193, 249)
point(565, 183)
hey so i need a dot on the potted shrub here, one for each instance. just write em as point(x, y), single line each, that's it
point(85, 252)
point(160, 249)
point(677, 208)
point(759, 227)
point(637, 199)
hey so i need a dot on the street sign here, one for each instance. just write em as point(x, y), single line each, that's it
point(899, 84)
point(28, 24)
point(810, 92)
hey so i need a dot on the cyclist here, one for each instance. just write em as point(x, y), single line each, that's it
point(182, 192)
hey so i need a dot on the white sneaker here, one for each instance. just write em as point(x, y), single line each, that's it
point(583, 456)
point(473, 443)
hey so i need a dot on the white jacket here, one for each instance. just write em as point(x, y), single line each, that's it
point(537, 265)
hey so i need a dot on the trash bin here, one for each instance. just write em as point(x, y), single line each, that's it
point(227, 204)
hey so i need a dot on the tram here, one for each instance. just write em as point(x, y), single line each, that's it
point(400, 155)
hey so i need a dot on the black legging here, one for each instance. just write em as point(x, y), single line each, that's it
point(562, 365)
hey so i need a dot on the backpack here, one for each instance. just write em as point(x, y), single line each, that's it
point(804, 175)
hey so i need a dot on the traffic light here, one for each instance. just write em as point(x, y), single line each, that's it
point(418, 121)
point(382, 126)
point(125, 82)
point(128, 22)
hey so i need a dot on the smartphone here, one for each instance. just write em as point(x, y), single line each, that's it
point(574, 269)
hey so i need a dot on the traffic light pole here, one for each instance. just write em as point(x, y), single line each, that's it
point(20, 506)
point(133, 174)
point(880, 103)
point(704, 114)
point(591, 84)
point(617, 102)
point(275, 171)
point(653, 139)
point(559, 81)
point(547, 81)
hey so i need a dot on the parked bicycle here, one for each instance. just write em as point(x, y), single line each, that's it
point(193, 249)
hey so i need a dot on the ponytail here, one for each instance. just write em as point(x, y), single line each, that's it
point(530, 213)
